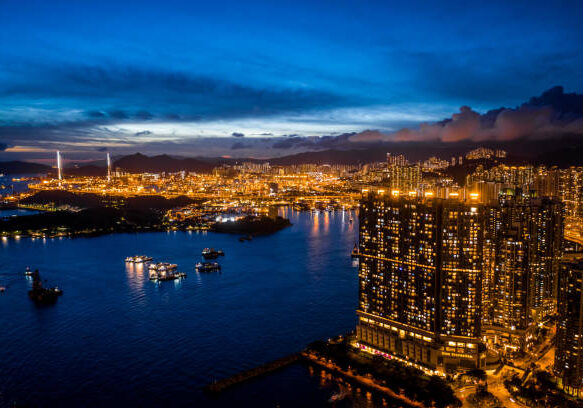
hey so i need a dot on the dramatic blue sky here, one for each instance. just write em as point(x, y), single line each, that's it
point(247, 78)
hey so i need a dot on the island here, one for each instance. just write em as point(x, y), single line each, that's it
point(65, 213)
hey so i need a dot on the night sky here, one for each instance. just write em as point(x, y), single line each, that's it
point(246, 78)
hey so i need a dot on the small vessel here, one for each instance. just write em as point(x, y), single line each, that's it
point(355, 253)
point(207, 267)
point(163, 266)
point(164, 274)
point(138, 259)
point(211, 253)
point(41, 295)
point(27, 271)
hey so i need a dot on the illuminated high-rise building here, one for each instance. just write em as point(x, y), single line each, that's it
point(571, 191)
point(569, 340)
point(420, 278)
point(396, 160)
point(522, 248)
point(405, 178)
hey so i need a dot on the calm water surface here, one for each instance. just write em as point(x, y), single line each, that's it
point(117, 339)
point(17, 212)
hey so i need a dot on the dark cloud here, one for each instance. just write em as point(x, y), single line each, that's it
point(143, 133)
point(3, 146)
point(240, 145)
point(151, 93)
point(101, 149)
point(143, 115)
point(118, 114)
point(96, 114)
point(237, 134)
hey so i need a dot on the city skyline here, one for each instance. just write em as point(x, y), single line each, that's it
point(291, 204)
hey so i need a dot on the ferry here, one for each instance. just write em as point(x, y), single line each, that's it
point(207, 267)
point(162, 266)
point(164, 274)
point(355, 253)
point(27, 271)
point(211, 253)
point(138, 259)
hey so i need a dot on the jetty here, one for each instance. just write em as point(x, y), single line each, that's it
point(222, 385)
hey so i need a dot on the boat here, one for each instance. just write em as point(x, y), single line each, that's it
point(211, 253)
point(163, 274)
point(138, 259)
point(27, 271)
point(41, 295)
point(162, 266)
point(207, 267)
point(355, 253)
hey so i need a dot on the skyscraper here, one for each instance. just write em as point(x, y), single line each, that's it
point(404, 178)
point(420, 279)
point(522, 248)
point(569, 341)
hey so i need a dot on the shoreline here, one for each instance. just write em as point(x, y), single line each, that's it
point(364, 381)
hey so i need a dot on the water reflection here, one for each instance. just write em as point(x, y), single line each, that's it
point(344, 393)
point(136, 274)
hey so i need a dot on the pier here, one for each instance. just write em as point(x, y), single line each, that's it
point(222, 385)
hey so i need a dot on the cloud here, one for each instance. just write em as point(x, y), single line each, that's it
point(3, 146)
point(240, 145)
point(100, 91)
point(238, 134)
point(553, 114)
point(143, 133)
point(118, 114)
point(293, 142)
point(96, 114)
point(143, 115)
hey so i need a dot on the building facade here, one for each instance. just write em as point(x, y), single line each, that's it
point(523, 246)
point(420, 279)
point(569, 340)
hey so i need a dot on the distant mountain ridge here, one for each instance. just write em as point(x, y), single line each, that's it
point(20, 167)
point(138, 163)
point(565, 152)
